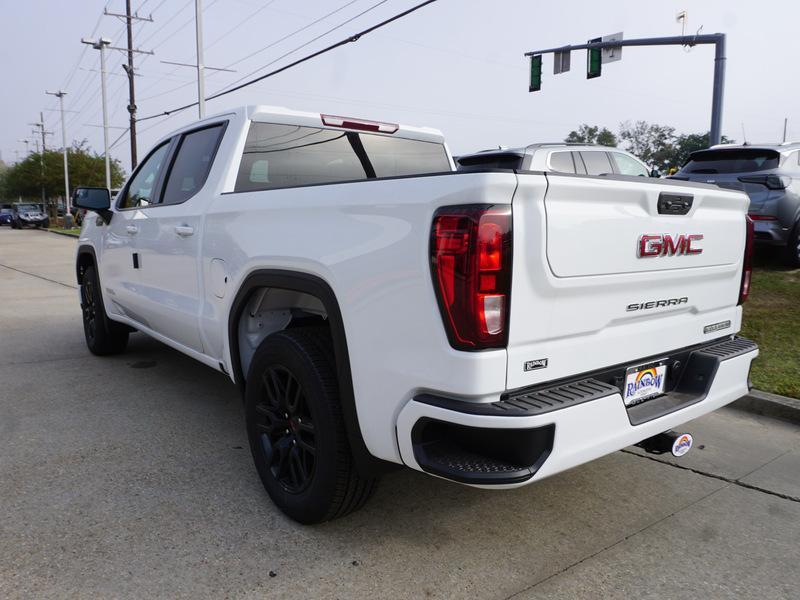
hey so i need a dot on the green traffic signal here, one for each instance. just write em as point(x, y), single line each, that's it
point(536, 73)
point(594, 62)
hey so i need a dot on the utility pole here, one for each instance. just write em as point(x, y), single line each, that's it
point(129, 19)
point(40, 125)
point(60, 95)
point(785, 124)
point(27, 147)
point(201, 85)
point(717, 39)
point(100, 44)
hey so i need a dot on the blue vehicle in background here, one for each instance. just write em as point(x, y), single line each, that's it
point(6, 213)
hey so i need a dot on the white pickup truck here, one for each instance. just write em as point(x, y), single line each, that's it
point(377, 307)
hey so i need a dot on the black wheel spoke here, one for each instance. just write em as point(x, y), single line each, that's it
point(282, 419)
point(306, 446)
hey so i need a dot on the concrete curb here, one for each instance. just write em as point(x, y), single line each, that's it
point(64, 233)
point(770, 405)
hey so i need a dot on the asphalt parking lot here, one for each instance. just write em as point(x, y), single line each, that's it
point(130, 477)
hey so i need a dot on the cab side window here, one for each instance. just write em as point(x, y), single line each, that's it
point(629, 166)
point(561, 162)
point(141, 190)
point(192, 163)
point(596, 162)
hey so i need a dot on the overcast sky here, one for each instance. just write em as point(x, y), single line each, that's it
point(456, 65)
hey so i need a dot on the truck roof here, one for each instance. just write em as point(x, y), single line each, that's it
point(279, 114)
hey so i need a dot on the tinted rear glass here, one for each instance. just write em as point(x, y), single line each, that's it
point(279, 156)
point(562, 162)
point(597, 163)
point(191, 165)
point(490, 160)
point(744, 160)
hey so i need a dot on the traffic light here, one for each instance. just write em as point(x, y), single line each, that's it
point(536, 73)
point(594, 62)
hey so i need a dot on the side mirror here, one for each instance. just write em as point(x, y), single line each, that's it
point(655, 173)
point(93, 198)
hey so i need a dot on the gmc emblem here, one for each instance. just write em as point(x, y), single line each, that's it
point(666, 245)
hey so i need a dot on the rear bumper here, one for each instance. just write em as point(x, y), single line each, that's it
point(771, 232)
point(531, 434)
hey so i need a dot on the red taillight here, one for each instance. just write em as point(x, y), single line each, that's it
point(747, 266)
point(756, 217)
point(471, 266)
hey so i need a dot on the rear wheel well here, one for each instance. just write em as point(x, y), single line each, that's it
point(292, 299)
point(271, 309)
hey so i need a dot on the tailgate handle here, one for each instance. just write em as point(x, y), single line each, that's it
point(674, 204)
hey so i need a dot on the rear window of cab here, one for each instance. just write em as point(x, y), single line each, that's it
point(279, 156)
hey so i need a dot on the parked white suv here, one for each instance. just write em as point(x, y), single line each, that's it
point(559, 157)
point(377, 307)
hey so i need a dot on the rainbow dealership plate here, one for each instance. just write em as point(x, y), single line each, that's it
point(643, 382)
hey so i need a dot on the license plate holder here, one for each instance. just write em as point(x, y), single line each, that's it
point(644, 382)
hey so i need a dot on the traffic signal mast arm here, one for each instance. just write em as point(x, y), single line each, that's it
point(717, 39)
point(676, 40)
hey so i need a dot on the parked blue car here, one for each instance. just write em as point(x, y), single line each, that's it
point(5, 216)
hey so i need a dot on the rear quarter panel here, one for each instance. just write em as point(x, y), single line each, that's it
point(369, 241)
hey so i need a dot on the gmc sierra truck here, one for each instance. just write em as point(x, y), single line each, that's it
point(376, 307)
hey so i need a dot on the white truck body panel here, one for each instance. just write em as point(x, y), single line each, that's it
point(575, 271)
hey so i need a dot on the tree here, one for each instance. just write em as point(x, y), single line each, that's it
point(592, 134)
point(86, 168)
point(652, 143)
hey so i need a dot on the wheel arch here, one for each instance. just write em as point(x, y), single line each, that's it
point(317, 287)
point(85, 257)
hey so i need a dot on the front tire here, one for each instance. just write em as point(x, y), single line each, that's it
point(103, 336)
point(296, 431)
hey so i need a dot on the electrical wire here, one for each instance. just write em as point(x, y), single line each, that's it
point(259, 51)
point(348, 40)
point(309, 42)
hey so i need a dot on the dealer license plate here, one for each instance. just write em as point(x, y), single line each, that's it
point(643, 382)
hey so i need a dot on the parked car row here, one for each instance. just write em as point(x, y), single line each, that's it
point(768, 173)
point(21, 215)
point(561, 157)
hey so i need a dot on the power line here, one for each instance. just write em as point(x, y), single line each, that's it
point(309, 42)
point(303, 28)
point(267, 47)
point(351, 39)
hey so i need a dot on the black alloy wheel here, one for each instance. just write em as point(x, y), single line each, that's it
point(286, 430)
point(296, 430)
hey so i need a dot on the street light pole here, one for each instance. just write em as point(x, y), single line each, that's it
point(100, 44)
point(67, 204)
point(201, 91)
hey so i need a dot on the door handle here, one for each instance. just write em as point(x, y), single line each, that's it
point(131, 229)
point(184, 230)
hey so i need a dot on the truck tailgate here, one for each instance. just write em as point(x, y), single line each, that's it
point(601, 277)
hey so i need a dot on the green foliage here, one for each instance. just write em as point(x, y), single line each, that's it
point(24, 179)
point(649, 141)
point(592, 134)
point(657, 145)
point(772, 318)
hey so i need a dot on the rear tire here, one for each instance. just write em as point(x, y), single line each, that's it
point(793, 248)
point(296, 431)
point(103, 336)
